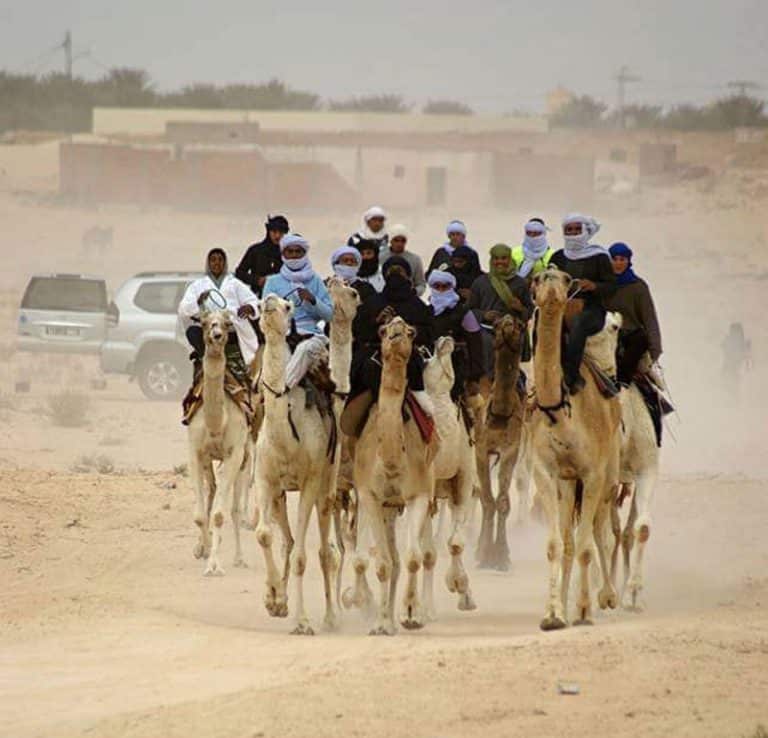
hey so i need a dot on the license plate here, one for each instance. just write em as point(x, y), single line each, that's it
point(60, 330)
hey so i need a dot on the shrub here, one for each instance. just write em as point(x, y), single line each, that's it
point(69, 409)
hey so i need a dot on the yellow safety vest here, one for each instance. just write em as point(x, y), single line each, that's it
point(518, 257)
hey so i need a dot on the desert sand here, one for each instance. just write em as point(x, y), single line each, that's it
point(108, 628)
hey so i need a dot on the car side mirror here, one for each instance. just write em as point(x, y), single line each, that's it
point(113, 314)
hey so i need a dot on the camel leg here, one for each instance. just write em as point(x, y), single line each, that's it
point(429, 549)
point(307, 499)
point(385, 624)
point(627, 544)
point(416, 513)
point(360, 595)
point(607, 596)
point(196, 473)
point(585, 545)
point(617, 537)
point(522, 478)
point(228, 473)
point(501, 546)
point(554, 617)
point(485, 543)
point(329, 563)
point(275, 599)
point(241, 493)
point(566, 503)
point(644, 492)
point(341, 547)
point(456, 577)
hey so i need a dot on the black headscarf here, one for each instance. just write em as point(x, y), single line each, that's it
point(368, 267)
point(396, 287)
point(471, 269)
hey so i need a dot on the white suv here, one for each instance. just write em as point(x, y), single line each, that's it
point(145, 340)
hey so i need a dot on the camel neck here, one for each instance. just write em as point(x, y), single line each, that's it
point(273, 371)
point(548, 373)
point(389, 425)
point(214, 366)
point(340, 353)
point(506, 370)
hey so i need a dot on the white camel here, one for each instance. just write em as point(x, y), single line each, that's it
point(455, 475)
point(638, 473)
point(294, 451)
point(218, 432)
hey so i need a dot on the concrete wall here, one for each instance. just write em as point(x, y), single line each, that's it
point(152, 121)
point(191, 132)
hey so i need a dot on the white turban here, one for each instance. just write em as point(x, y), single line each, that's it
point(293, 239)
point(374, 212)
point(441, 276)
point(398, 230)
point(579, 247)
point(456, 226)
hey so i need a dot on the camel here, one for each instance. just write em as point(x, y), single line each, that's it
point(639, 471)
point(499, 429)
point(294, 450)
point(454, 474)
point(346, 301)
point(575, 445)
point(219, 432)
point(393, 469)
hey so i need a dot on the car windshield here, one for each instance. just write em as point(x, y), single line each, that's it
point(66, 293)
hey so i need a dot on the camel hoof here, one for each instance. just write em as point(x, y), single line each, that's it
point(607, 599)
point(552, 623)
point(240, 563)
point(198, 551)
point(632, 602)
point(458, 583)
point(583, 621)
point(303, 629)
point(382, 630)
point(331, 623)
point(348, 598)
point(466, 603)
point(503, 564)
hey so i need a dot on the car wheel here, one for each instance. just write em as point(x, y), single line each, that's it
point(164, 376)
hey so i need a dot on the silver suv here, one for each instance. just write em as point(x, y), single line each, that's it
point(146, 341)
point(64, 313)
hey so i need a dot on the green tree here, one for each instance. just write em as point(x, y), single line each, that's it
point(447, 107)
point(372, 104)
point(580, 112)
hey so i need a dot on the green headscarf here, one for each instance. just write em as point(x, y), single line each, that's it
point(499, 278)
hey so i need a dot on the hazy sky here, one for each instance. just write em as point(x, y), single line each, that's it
point(494, 55)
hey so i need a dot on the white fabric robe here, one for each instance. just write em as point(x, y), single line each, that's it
point(237, 294)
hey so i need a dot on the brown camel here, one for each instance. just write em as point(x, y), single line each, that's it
point(393, 470)
point(576, 444)
point(499, 428)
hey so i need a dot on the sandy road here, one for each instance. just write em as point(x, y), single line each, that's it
point(109, 629)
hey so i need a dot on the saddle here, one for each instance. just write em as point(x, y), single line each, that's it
point(239, 392)
point(358, 408)
point(605, 383)
point(658, 405)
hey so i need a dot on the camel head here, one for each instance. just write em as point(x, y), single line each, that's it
point(508, 332)
point(550, 288)
point(345, 299)
point(275, 316)
point(438, 370)
point(216, 325)
point(396, 340)
point(601, 347)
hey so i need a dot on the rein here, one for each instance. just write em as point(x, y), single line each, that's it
point(550, 410)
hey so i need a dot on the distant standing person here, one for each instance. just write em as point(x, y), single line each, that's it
point(465, 266)
point(263, 259)
point(369, 241)
point(737, 356)
point(535, 252)
point(398, 242)
point(457, 237)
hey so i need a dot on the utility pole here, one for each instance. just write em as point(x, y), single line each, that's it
point(67, 46)
point(622, 78)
